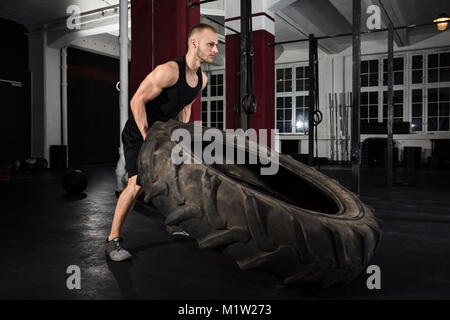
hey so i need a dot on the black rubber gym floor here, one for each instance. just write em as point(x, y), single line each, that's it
point(43, 231)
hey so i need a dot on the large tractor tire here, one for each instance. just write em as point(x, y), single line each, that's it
point(299, 225)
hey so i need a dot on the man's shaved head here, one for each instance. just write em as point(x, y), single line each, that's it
point(198, 28)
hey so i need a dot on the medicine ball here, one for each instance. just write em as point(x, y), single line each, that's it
point(74, 181)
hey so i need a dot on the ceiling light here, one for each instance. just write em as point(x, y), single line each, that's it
point(443, 19)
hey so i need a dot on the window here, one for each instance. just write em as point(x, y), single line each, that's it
point(417, 69)
point(369, 107)
point(284, 114)
point(369, 73)
point(291, 99)
point(216, 85)
point(213, 97)
point(438, 109)
point(302, 114)
point(302, 79)
point(416, 110)
point(284, 80)
point(397, 104)
point(439, 67)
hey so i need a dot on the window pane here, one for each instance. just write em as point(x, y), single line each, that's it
point(433, 60)
point(279, 86)
point(417, 62)
point(364, 112)
point(373, 80)
point(417, 76)
point(205, 92)
point(299, 101)
point(288, 102)
point(417, 95)
point(444, 109)
point(220, 79)
point(279, 102)
point(204, 118)
point(443, 124)
point(433, 75)
point(373, 66)
point(288, 86)
point(288, 126)
point(288, 114)
point(288, 73)
point(373, 111)
point(220, 116)
point(398, 77)
point(279, 74)
point(433, 95)
point(416, 124)
point(444, 59)
point(444, 74)
point(220, 91)
point(213, 116)
point(398, 64)
point(432, 124)
point(432, 109)
point(213, 91)
point(364, 97)
point(280, 126)
point(398, 96)
point(373, 98)
point(444, 94)
point(299, 72)
point(213, 79)
point(279, 114)
point(364, 80)
point(416, 110)
point(364, 66)
point(398, 111)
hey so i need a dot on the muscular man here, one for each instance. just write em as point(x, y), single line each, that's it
point(166, 93)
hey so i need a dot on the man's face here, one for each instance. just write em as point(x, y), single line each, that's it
point(207, 45)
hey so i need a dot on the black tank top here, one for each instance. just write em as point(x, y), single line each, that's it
point(173, 99)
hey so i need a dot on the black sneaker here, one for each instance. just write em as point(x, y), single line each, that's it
point(115, 251)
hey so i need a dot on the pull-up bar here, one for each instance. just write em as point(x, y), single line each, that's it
point(219, 23)
point(363, 32)
point(191, 4)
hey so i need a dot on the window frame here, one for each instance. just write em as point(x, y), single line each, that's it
point(208, 99)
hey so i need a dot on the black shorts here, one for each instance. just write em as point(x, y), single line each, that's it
point(132, 142)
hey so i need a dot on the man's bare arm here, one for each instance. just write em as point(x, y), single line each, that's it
point(163, 76)
point(185, 114)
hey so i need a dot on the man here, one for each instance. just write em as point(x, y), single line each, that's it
point(167, 92)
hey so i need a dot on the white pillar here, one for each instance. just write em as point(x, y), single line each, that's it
point(123, 42)
point(64, 94)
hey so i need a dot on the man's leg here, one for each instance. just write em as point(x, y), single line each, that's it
point(124, 206)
